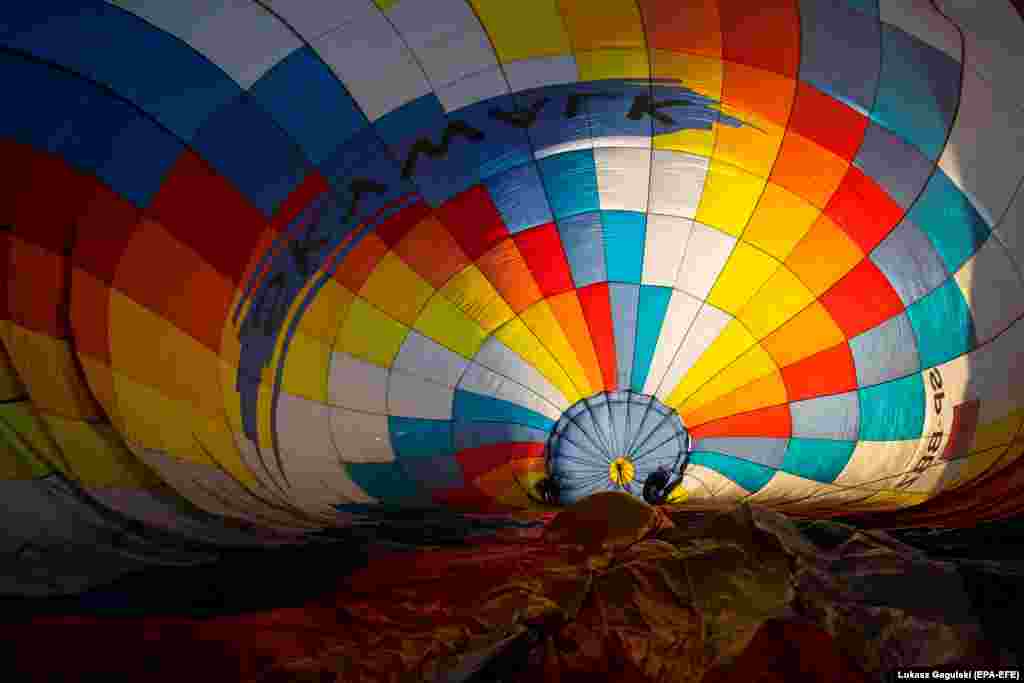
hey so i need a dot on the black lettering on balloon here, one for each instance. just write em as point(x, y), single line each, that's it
point(359, 187)
point(645, 104)
point(935, 378)
point(427, 146)
point(520, 118)
point(269, 306)
point(572, 106)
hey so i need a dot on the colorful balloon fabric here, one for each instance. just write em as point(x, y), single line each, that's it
point(271, 264)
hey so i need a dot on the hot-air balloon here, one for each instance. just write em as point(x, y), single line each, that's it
point(645, 337)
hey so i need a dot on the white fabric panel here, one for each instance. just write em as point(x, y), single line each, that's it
point(825, 496)
point(395, 78)
point(985, 152)
point(360, 437)
point(880, 465)
point(623, 174)
point(705, 257)
point(993, 33)
point(423, 356)
point(498, 357)
point(482, 381)
point(705, 484)
point(482, 85)
point(445, 36)
point(996, 374)
point(239, 36)
point(411, 396)
point(682, 310)
point(919, 19)
point(270, 484)
point(667, 237)
point(575, 145)
point(992, 289)
point(709, 323)
point(677, 182)
point(314, 19)
point(516, 393)
point(1011, 228)
point(524, 74)
point(356, 384)
point(315, 473)
point(784, 487)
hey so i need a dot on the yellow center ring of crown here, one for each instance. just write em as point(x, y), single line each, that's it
point(621, 471)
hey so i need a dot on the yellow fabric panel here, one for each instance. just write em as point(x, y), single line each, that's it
point(443, 322)
point(998, 433)
point(753, 146)
point(264, 424)
point(47, 368)
point(397, 289)
point(729, 197)
point(606, 24)
point(159, 362)
point(328, 308)
point(824, 255)
point(780, 221)
point(752, 365)
point(747, 269)
point(218, 442)
point(764, 392)
point(385, 5)
point(369, 334)
point(232, 399)
point(474, 295)
point(595, 65)
point(703, 75)
point(500, 483)
point(152, 419)
point(781, 298)
point(40, 451)
point(569, 312)
point(10, 386)
point(523, 29)
point(542, 322)
point(977, 464)
point(805, 334)
point(516, 336)
point(306, 366)
point(730, 345)
point(98, 457)
point(100, 378)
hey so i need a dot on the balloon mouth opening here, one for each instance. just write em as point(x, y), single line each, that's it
point(615, 441)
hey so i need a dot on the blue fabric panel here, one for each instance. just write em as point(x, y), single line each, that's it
point(893, 411)
point(388, 482)
point(840, 51)
point(943, 325)
point(519, 195)
point(607, 116)
point(918, 91)
point(817, 459)
point(762, 450)
point(895, 164)
point(601, 418)
point(474, 407)
point(910, 262)
point(625, 302)
point(582, 236)
point(570, 180)
point(651, 311)
point(552, 127)
point(750, 475)
point(87, 127)
point(886, 352)
point(624, 235)
point(413, 437)
point(664, 432)
point(476, 434)
point(435, 473)
point(827, 417)
point(620, 414)
point(290, 89)
point(247, 147)
point(365, 156)
point(949, 219)
point(120, 50)
point(584, 438)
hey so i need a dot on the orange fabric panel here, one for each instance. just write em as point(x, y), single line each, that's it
point(431, 251)
point(808, 170)
point(506, 269)
point(774, 421)
point(569, 313)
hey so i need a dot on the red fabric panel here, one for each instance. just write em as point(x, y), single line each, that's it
point(768, 38)
point(473, 220)
point(862, 299)
point(774, 421)
point(827, 121)
point(827, 372)
point(541, 247)
point(863, 209)
point(597, 309)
